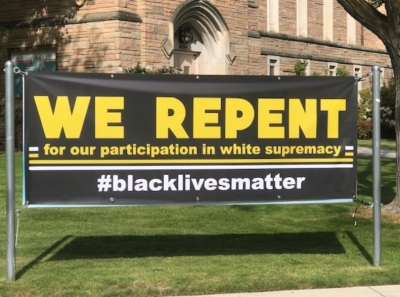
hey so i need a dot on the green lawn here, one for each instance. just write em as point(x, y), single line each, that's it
point(155, 251)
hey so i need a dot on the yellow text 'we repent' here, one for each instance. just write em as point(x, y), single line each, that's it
point(203, 118)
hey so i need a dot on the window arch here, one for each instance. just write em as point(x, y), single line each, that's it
point(210, 35)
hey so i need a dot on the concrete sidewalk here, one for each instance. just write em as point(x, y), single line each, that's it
point(373, 291)
point(365, 151)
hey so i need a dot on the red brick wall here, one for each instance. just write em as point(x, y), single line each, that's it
point(109, 35)
point(112, 45)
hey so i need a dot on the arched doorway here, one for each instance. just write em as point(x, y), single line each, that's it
point(201, 39)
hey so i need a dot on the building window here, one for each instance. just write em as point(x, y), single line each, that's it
point(186, 69)
point(308, 68)
point(351, 30)
point(357, 71)
point(32, 60)
point(383, 81)
point(273, 65)
point(273, 15)
point(302, 18)
point(328, 20)
point(332, 68)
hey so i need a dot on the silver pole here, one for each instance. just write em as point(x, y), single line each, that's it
point(376, 155)
point(10, 167)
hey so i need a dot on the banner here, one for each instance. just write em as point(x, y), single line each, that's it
point(119, 139)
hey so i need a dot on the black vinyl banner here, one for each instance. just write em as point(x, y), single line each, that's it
point(120, 139)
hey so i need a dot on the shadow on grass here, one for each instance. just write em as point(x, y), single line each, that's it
point(107, 247)
point(43, 255)
point(388, 178)
point(360, 247)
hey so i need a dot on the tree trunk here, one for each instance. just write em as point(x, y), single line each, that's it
point(394, 206)
point(387, 27)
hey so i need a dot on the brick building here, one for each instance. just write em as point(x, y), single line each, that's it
point(247, 37)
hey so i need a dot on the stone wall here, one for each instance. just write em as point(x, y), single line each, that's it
point(108, 36)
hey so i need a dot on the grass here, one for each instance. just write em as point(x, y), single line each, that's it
point(386, 144)
point(158, 251)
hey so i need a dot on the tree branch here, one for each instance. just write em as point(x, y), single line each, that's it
point(369, 17)
point(393, 15)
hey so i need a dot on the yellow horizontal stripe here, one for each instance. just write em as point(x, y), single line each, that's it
point(349, 154)
point(193, 161)
point(33, 155)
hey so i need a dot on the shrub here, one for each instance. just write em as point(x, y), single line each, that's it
point(364, 119)
point(388, 97)
point(147, 70)
point(300, 67)
point(342, 71)
point(388, 102)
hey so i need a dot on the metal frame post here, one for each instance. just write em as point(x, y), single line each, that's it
point(376, 155)
point(10, 168)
